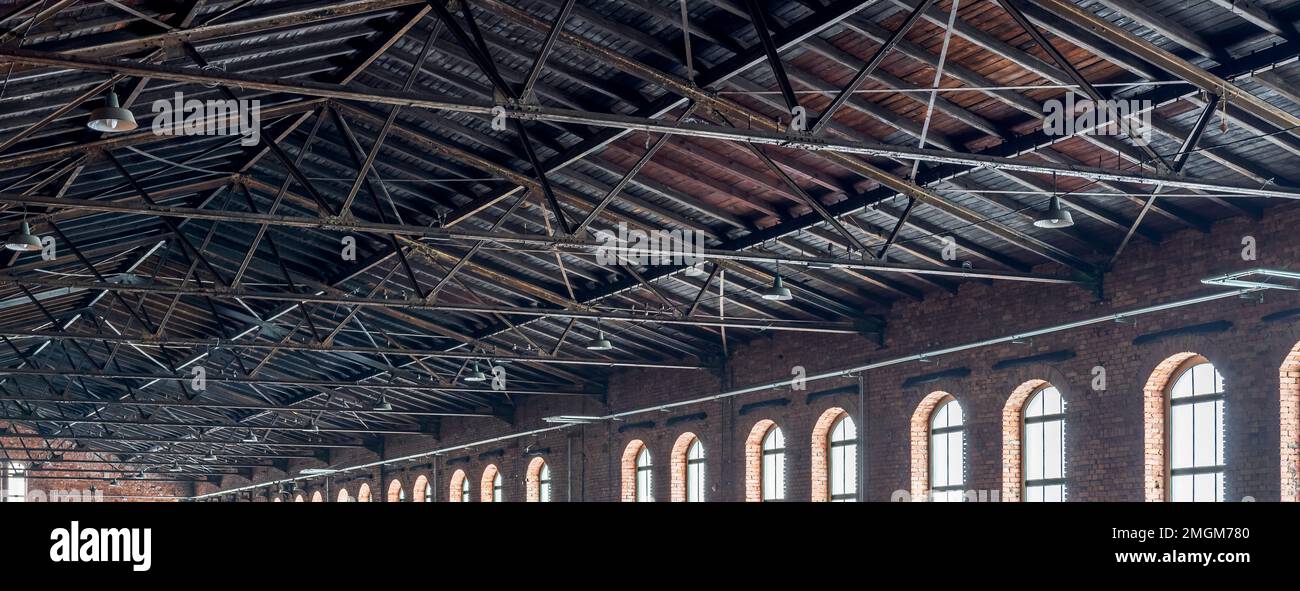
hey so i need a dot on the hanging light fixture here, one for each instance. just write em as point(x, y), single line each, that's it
point(1055, 217)
point(778, 292)
point(600, 343)
point(112, 118)
point(696, 270)
point(383, 404)
point(23, 240)
point(476, 376)
point(211, 457)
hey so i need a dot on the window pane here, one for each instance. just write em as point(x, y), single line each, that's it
point(1035, 408)
point(1180, 436)
point(695, 483)
point(774, 476)
point(956, 458)
point(1203, 381)
point(1052, 403)
point(845, 430)
point(1181, 488)
point(1204, 487)
point(1053, 462)
point(954, 414)
point(1203, 450)
point(938, 461)
point(1034, 451)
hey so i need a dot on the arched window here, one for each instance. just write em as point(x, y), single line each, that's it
point(13, 481)
point(844, 461)
point(1033, 444)
point(765, 463)
point(537, 482)
point(1044, 441)
point(695, 472)
point(835, 457)
point(363, 494)
point(298, 498)
point(636, 473)
point(644, 490)
point(687, 469)
point(1196, 433)
point(343, 496)
point(774, 465)
point(947, 453)
point(316, 497)
point(396, 494)
point(490, 485)
point(459, 492)
point(422, 491)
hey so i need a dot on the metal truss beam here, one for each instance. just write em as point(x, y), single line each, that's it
point(195, 441)
point(261, 408)
point(766, 133)
point(233, 426)
point(570, 245)
point(1203, 79)
point(221, 379)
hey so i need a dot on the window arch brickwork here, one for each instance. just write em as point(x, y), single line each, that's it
point(1289, 423)
point(1013, 462)
point(754, 460)
point(1155, 438)
point(821, 433)
point(627, 470)
point(920, 443)
point(677, 492)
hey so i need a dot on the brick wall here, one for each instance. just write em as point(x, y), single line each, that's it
point(1112, 449)
point(71, 478)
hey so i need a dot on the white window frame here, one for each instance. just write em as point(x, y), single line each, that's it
point(1041, 419)
point(1202, 397)
point(772, 470)
point(695, 471)
point(942, 450)
point(644, 476)
point(842, 456)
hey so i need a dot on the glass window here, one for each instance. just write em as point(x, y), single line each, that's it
point(695, 472)
point(1044, 430)
point(428, 492)
point(544, 484)
point(13, 479)
point(496, 488)
point(1196, 435)
point(947, 453)
point(843, 464)
point(644, 492)
point(774, 465)
point(464, 490)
